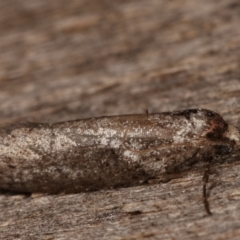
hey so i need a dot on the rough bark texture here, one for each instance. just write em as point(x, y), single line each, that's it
point(66, 60)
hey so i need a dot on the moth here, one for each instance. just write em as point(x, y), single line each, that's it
point(111, 151)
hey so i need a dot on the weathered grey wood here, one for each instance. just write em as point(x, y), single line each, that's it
point(62, 61)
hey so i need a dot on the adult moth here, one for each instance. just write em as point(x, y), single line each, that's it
point(112, 151)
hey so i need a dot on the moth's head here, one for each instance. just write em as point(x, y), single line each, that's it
point(231, 139)
point(208, 124)
point(227, 137)
point(233, 134)
point(216, 130)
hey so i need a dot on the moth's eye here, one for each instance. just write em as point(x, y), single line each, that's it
point(222, 149)
point(195, 111)
point(210, 113)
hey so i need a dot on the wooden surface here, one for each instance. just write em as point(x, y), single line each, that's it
point(62, 61)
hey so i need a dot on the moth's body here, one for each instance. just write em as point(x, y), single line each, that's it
point(91, 154)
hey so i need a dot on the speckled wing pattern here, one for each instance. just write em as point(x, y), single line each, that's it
point(105, 152)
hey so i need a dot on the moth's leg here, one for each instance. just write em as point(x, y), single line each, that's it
point(205, 194)
point(173, 168)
